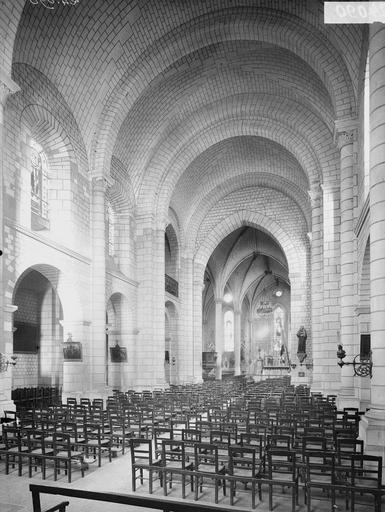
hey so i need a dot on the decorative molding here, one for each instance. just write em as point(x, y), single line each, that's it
point(48, 243)
point(362, 310)
point(364, 213)
point(122, 277)
point(332, 186)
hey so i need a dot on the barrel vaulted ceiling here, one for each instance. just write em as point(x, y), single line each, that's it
point(187, 104)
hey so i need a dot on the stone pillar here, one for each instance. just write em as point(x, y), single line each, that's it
point(7, 87)
point(199, 270)
point(186, 341)
point(372, 426)
point(250, 345)
point(97, 356)
point(320, 360)
point(75, 373)
point(346, 138)
point(6, 402)
point(219, 341)
point(125, 240)
point(237, 341)
point(331, 286)
point(151, 305)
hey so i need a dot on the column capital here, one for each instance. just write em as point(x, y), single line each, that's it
point(218, 301)
point(315, 193)
point(101, 180)
point(346, 137)
point(345, 131)
point(330, 187)
point(7, 86)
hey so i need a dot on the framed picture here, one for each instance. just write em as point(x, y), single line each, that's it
point(118, 354)
point(72, 351)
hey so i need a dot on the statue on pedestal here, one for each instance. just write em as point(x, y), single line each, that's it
point(301, 350)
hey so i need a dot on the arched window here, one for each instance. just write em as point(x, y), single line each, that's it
point(229, 331)
point(111, 229)
point(39, 187)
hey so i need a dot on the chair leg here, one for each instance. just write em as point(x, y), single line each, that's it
point(270, 497)
point(150, 481)
point(196, 488)
point(216, 489)
point(183, 486)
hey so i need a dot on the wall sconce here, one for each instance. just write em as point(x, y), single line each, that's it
point(362, 366)
point(5, 362)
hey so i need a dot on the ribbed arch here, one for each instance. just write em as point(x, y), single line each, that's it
point(243, 218)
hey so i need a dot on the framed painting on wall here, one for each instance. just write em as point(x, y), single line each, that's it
point(118, 354)
point(72, 351)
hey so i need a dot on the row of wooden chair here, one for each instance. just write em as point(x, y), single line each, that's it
point(280, 467)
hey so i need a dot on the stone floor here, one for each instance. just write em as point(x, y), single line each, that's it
point(116, 477)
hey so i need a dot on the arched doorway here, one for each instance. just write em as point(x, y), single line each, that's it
point(246, 306)
point(38, 332)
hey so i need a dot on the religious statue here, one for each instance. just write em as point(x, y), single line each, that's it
point(284, 356)
point(302, 337)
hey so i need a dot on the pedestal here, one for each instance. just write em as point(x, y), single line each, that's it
point(372, 432)
point(300, 375)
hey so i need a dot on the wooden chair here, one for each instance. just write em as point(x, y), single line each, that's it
point(63, 454)
point(15, 448)
point(95, 442)
point(143, 458)
point(281, 467)
point(366, 478)
point(39, 448)
point(221, 439)
point(207, 466)
point(190, 436)
point(244, 467)
point(119, 431)
point(319, 469)
point(159, 434)
point(346, 448)
point(174, 460)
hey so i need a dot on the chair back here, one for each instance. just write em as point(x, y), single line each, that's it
point(242, 458)
point(366, 471)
